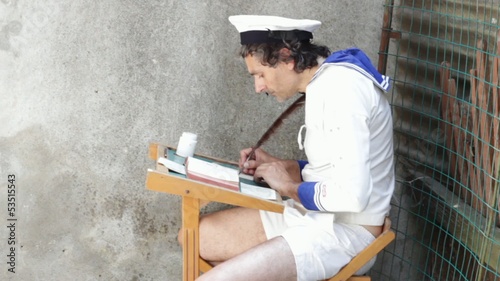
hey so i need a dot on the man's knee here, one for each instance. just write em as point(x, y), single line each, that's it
point(204, 253)
point(180, 236)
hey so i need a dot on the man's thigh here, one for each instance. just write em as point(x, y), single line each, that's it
point(271, 260)
point(228, 233)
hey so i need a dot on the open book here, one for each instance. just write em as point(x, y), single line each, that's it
point(212, 173)
point(216, 174)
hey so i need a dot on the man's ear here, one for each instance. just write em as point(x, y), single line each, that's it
point(286, 59)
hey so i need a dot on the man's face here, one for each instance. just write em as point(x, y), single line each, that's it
point(280, 81)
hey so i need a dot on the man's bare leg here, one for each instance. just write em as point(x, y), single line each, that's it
point(228, 233)
point(271, 260)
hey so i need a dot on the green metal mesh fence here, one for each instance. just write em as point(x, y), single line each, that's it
point(444, 59)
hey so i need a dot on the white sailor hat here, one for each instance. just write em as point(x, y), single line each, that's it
point(268, 29)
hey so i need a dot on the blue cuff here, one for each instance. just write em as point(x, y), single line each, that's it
point(302, 164)
point(306, 195)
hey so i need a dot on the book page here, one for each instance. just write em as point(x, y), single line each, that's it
point(250, 187)
point(204, 170)
point(262, 192)
point(212, 170)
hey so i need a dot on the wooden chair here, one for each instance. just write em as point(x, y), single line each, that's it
point(195, 195)
point(348, 271)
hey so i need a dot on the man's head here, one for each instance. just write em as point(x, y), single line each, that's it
point(278, 51)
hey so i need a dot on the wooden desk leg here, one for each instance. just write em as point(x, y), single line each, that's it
point(191, 250)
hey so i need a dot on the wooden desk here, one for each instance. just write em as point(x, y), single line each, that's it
point(194, 196)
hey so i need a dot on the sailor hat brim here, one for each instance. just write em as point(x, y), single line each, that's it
point(267, 29)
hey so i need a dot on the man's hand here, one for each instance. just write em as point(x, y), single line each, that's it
point(259, 157)
point(277, 176)
point(281, 175)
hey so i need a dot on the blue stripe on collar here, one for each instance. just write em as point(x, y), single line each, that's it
point(355, 58)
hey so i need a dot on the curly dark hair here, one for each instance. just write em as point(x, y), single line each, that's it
point(304, 53)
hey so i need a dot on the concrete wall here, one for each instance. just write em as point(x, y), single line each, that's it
point(85, 86)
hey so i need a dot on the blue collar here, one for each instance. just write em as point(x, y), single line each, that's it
point(355, 58)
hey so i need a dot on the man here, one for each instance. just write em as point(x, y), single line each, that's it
point(341, 195)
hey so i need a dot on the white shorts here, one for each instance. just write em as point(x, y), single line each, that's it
point(320, 246)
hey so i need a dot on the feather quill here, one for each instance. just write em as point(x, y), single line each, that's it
point(298, 103)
